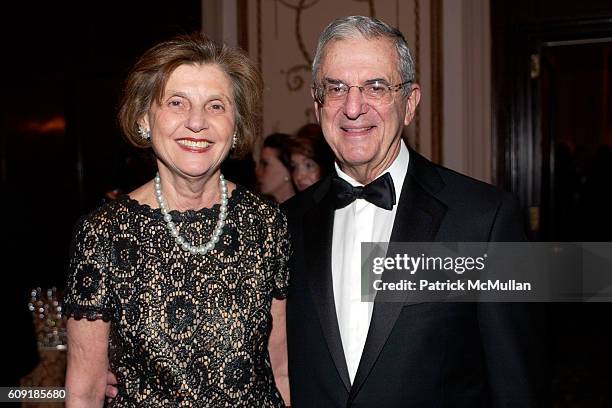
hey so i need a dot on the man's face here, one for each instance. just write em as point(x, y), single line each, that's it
point(365, 136)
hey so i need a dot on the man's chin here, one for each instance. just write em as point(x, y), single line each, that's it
point(357, 159)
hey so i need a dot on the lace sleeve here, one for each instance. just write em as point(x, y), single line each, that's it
point(281, 252)
point(87, 291)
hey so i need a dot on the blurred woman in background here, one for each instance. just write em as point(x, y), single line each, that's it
point(310, 157)
point(272, 172)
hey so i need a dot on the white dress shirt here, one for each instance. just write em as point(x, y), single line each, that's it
point(359, 222)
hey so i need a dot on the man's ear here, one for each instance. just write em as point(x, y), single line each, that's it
point(316, 105)
point(412, 103)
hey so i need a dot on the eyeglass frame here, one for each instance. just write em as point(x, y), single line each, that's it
point(319, 90)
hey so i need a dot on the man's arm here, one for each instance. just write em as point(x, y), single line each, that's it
point(277, 347)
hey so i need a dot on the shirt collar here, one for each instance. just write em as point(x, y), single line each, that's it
point(397, 169)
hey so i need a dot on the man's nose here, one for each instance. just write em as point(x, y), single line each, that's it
point(197, 121)
point(355, 104)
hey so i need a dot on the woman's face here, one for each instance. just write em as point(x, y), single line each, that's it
point(271, 173)
point(192, 128)
point(305, 171)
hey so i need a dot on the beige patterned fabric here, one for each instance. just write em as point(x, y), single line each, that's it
point(186, 330)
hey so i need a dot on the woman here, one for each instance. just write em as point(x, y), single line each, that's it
point(172, 285)
point(310, 156)
point(272, 171)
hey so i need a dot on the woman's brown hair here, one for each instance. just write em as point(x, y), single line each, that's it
point(147, 80)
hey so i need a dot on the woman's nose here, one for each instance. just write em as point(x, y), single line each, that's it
point(196, 121)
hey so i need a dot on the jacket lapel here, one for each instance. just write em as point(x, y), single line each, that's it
point(418, 218)
point(318, 228)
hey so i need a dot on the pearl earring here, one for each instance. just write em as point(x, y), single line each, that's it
point(234, 141)
point(144, 134)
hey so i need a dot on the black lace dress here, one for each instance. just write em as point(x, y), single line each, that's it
point(186, 330)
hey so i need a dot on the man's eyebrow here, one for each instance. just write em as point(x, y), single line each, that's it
point(371, 81)
point(368, 81)
point(332, 80)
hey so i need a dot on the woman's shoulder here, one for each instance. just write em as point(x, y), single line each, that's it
point(250, 201)
point(105, 214)
point(249, 198)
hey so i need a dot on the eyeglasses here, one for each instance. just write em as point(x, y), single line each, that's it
point(376, 92)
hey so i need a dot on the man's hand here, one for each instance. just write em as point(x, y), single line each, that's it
point(111, 386)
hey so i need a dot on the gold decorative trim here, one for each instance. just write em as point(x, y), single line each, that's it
point(260, 64)
point(436, 81)
point(293, 77)
point(293, 80)
point(242, 18)
point(259, 40)
point(417, 54)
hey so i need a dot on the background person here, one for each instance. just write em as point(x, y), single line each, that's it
point(272, 172)
point(310, 157)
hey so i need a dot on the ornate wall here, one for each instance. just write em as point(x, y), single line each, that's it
point(281, 38)
point(451, 41)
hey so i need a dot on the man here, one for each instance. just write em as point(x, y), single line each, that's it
point(348, 353)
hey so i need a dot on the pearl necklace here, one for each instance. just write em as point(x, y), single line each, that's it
point(186, 246)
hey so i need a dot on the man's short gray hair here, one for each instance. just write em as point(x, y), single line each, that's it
point(369, 28)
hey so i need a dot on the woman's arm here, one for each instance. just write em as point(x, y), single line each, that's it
point(277, 347)
point(87, 363)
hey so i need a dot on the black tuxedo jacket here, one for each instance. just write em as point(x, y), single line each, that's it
point(415, 355)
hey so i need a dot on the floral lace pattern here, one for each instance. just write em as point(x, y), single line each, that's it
point(186, 330)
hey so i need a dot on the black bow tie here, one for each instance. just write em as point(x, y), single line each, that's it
point(379, 192)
